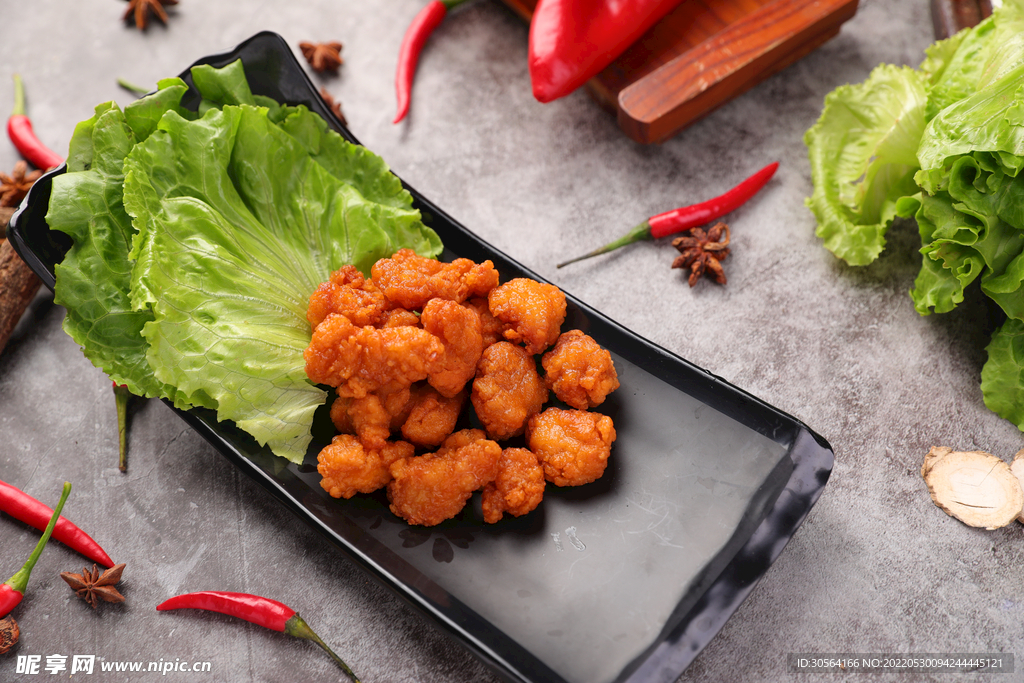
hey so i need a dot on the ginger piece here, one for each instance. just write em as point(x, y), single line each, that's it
point(973, 486)
point(1017, 467)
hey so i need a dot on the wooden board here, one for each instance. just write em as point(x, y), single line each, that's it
point(703, 54)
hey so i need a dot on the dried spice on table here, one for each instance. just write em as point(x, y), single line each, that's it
point(416, 35)
point(9, 634)
point(14, 187)
point(140, 11)
point(20, 132)
point(322, 56)
point(688, 217)
point(93, 586)
point(261, 611)
point(703, 252)
point(333, 105)
point(13, 590)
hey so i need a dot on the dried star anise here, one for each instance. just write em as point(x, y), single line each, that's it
point(141, 9)
point(14, 187)
point(333, 105)
point(9, 633)
point(700, 252)
point(322, 56)
point(92, 586)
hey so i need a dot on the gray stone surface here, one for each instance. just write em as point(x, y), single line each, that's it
point(875, 568)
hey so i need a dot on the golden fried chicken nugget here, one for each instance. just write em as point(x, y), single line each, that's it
point(399, 317)
point(507, 390)
point(348, 468)
point(358, 360)
point(431, 488)
point(373, 417)
point(432, 417)
point(491, 327)
point(460, 331)
point(347, 293)
point(572, 445)
point(579, 371)
point(410, 281)
point(533, 312)
point(518, 488)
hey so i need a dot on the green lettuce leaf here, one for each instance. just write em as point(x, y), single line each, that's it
point(198, 239)
point(1002, 377)
point(863, 154)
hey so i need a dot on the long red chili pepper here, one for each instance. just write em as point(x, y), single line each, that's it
point(687, 217)
point(13, 591)
point(573, 40)
point(428, 19)
point(27, 509)
point(264, 612)
point(19, 130)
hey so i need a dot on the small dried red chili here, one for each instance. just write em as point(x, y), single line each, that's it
point(264, 612)
point(27, 509)
point(686, 217)
point(13, 591)
point(19, 130)
point(428, 19)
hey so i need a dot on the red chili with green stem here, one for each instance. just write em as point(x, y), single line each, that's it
point(13, 591)
point(687, 217)
point(428, 19)
point(19, 130)
point(27, 509)
point(264, 612)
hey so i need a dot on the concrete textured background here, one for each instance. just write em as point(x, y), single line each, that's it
point(875, 568)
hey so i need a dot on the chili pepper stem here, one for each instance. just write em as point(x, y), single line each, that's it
point(19, 97)
point(131, 87)
point(637, 234)
point(297, 627)
point(121, 396)
point(19, 581)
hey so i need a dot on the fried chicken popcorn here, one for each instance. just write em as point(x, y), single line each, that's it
point(428, 489)
point(348, 468)
point(407, 347)
point(572, 445)
point(460, 330)
point(579, 371)
point(518, 488)
point(533, 312)
point(358, 360)
point(507, 390)
point(432, 417)
point(410, 281)
point(347, 293)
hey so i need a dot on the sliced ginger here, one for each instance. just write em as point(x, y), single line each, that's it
point(975, 487)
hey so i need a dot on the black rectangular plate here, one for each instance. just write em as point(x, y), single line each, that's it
point(623, 580)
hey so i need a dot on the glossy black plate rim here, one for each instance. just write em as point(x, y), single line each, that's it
point(810, 456)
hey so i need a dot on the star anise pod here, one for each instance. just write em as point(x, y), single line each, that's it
point(9, 633)
point(92, 586)
point(14, 187)
point(141, 9)
point(333, 105)
point(322, 56)
point(703, 252)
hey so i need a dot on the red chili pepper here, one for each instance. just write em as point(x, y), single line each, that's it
point(573, 40)
point(428, 19)
point(27, 509)
point(19, 130)
point(121, 396)
point(13, 591)
point(686, 217)
point(264, 612)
